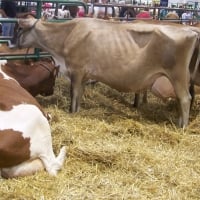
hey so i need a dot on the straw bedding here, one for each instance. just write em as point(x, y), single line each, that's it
point(116, 151)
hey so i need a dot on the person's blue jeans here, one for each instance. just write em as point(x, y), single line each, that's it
point(8, 29)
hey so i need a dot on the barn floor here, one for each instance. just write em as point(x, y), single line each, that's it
point(115, 151)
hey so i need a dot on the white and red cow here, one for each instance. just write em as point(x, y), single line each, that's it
point(129, 58)
point(25, 135)
point(36, 77)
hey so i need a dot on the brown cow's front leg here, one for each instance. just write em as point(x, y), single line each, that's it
point(184, 109)
point(76, 92)
point(144, 98)
point(136, 102)
point(184, 102)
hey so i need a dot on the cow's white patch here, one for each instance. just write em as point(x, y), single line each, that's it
point(29, 120)
point(5, 76)
point(3, 62)
point(23, 169)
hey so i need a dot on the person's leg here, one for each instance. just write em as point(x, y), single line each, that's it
point(6, 29)
point(12, 27)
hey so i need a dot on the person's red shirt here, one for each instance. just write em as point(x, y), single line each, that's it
point(143, 14)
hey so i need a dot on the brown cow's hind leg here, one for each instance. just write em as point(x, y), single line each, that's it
point(184, 101)
point(76, 92)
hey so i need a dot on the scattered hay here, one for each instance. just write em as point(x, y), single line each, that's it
point(116, 151)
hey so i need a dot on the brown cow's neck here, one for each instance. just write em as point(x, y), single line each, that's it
point(60, 33)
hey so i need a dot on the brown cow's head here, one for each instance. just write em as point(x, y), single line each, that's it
point(46, 76)
point(23, 29)
point(36, 77)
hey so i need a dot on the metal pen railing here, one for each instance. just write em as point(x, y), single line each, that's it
point(37, 7)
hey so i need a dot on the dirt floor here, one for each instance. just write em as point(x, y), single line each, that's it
point(115, 151)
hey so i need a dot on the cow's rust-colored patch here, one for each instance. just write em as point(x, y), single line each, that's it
point(14, 148)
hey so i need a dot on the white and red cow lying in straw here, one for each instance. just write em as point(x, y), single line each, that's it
point(129, 56)
point(36, 77)
point(25, 135)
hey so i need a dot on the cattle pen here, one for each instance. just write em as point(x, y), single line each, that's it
point(114, 151)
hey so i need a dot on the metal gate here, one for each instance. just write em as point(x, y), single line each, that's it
point(36, 7)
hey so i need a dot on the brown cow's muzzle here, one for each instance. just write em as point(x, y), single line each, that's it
point(47, 93)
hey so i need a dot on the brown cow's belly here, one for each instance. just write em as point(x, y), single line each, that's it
point(126, 82)
point(130, 73)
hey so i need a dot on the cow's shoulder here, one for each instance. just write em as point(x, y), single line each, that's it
point(14, 94)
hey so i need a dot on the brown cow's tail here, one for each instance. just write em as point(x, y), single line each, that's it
point(192, 93)
point(196, 67)
point(55, 164)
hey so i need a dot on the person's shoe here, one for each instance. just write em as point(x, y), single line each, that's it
point(10, 45)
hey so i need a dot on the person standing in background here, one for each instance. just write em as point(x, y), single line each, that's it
point(8, 10)
point(144, 14)
point(187, 17)
point(100, 12)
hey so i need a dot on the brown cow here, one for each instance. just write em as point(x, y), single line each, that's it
point(25, 136)
point(36, 77)
point(140, 53)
